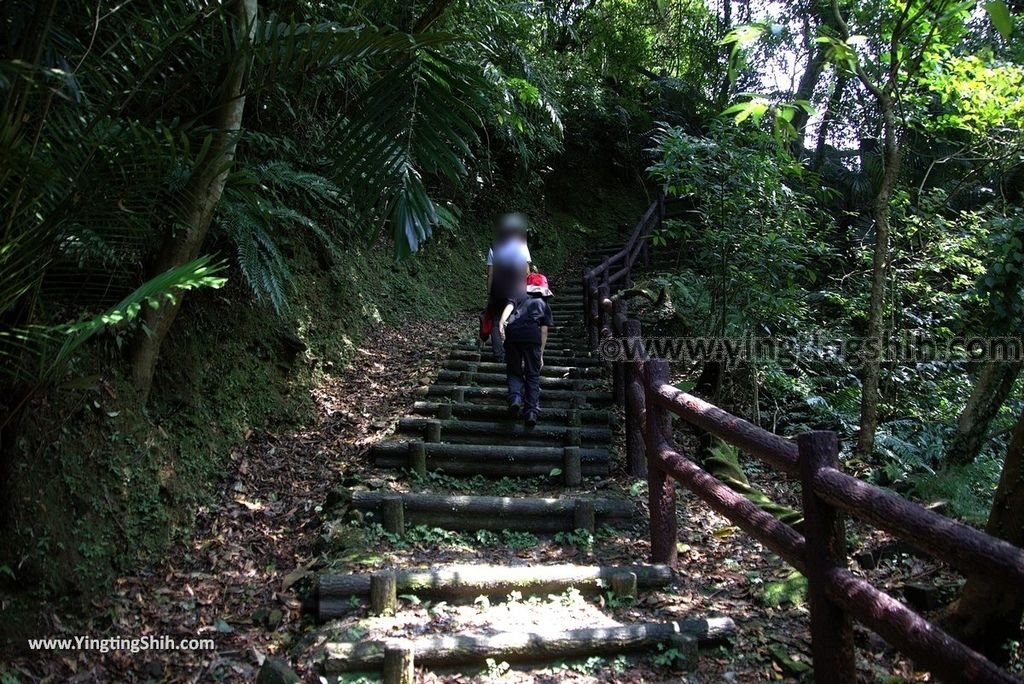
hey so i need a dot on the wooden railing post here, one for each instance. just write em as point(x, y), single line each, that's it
point(831, 628)
point(604, 317)
point(593, 308)
point(661, 489)
point(618, 367)
point(586, 302)
point(633, 379)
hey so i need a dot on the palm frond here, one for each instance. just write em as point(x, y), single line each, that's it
point(261, 201)
point(416, 118)
point(37, 354)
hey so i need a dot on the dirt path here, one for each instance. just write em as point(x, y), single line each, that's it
point(235, 579)
point(256, 549)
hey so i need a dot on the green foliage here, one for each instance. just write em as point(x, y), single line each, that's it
point(760, 266)
point(418, 118)
point(780, 114)
point(269, 199)
point(1002, 283)
point(760, 232)
point(581, 539)
point(792, 590)
point(999, 13)
point(724, 464)
point(977, 94)
point(666, 656)
point(437, 537)
point(968, 489)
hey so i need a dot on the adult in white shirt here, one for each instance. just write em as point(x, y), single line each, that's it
point(508, 264)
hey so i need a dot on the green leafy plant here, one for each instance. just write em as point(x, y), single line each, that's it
point(581, 539)
point(517, 540)
point(666, 656)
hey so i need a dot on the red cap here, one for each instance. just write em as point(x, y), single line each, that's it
point(538, 279)
point(537, 284)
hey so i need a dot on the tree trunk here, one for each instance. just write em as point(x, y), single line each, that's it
point(995, 382)
point(818, 56)
point(201, 195)
point(805, 91)
point(986, 615)
point(430, 15)
point(831, 114)
point(879, 272)
point(726, 26)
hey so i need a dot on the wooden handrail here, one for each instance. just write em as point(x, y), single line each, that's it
point(777, 451)
point(755, 521)
point(836, 596)
point(930, 647)
point(641, 228)
point(948, 540)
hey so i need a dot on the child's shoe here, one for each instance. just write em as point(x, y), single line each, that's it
point(515, 406)
point(531, 419)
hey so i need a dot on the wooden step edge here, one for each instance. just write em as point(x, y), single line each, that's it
point(333, 593)
point(580, 397)
point(549, 370)
point(466, 649)
point(500, 506)
point(548, 415)
point(500, 452)
point(570, 463)
point(473, 356)
point(509, 428)
point(445, 376)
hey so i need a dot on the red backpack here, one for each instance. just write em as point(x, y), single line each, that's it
point(486, 325)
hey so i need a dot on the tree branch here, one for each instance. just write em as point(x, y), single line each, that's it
point(431, 15)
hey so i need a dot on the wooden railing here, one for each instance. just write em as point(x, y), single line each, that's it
point(836, 597)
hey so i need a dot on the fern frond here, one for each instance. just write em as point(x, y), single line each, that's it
point(416, 117)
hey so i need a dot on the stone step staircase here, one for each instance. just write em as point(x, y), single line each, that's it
point(459, 428)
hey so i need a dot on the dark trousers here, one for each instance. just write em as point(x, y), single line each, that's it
point(496, 346)
point(522, 361)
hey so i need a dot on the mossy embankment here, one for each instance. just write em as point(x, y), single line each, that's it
point(102, 486)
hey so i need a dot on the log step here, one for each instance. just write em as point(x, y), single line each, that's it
point(472, 513)
point(454, 582)
point(549, 416)
point(552, 371)
point(495, 461)
point(520, 646)
point(582, 399)
point(509, 429)
point(578, 348)
point(557, 350)
point(549, 357)
point(499, 379)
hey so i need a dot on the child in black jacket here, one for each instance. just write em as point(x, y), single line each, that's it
point(524, 327)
